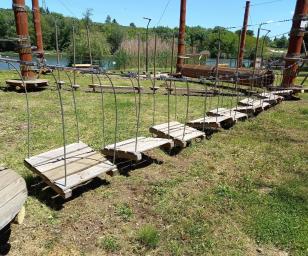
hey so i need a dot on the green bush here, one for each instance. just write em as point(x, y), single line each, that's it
point(148, 236)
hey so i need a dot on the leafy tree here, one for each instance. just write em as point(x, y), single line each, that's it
point(115, 38)
point(108, 19)
point(87, 16)
point(114, 21)
point(132, 24)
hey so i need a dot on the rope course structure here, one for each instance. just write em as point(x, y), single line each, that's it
point(71, 165)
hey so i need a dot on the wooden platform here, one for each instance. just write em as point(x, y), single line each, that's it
point(248, 110)
point(127, 149)
point(212, 122)
point(30, 84)
point(270, 98)
point(118, 89)
point(287, 94)
point(259, 103)
point(236, 116)
point(13, 194)
point(83, 164)
point(177, 134)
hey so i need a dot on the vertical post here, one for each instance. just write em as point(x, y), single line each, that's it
point(147, 46)
point(38, 28)
point(243, 36)
point(181, 39)
point(25, 53)
point(295, 43)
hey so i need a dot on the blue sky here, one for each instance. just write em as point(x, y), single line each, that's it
point(206, 13)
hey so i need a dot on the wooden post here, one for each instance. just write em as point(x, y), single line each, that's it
point(295, 43)
point(25, 52)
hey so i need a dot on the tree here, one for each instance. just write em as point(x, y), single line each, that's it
point(87, 16)
point(132, 24)
point(250, 32)
point(115, 38)
point(114, 21)
point(108, 19)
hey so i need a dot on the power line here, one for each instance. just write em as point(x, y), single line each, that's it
point(67, 8)
point(264, 3)
point(163, 13)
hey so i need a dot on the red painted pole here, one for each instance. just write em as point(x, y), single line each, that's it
point(295, 43)
point(243, 36)
point(38, 28)
point(25, 52)
point(181, 40)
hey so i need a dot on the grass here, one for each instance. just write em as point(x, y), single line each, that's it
point(148, 236)
point(243, 192)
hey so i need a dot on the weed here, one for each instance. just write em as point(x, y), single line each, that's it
point(148, 236)
point(109, 243)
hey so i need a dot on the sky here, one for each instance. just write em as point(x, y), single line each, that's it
point(206, 13)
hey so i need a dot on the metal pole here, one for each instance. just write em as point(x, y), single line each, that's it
point(147, 46)
point(181, 39)
point(25, 52)
point(295, 43)
point(38, 29)
point(243, 36)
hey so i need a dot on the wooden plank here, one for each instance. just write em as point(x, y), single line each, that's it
point(7, 176)
point(127, 149)
point(11, 209)
point(56, 153)
point(237, 116)
point(11, 190)
point(13, 194)
point(211, 122)
point(75, 166)
point(59, 162)
point(86, 175)
point(176, 132)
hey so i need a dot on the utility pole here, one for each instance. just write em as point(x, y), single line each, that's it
point(243, 36)
point(295, 43)
point(147, 46)
point(24, 49)
point(181, 39)
point(38, 29)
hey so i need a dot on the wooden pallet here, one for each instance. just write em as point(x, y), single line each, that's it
point(250, 111)
point(236, 116)
point(127, 149)
point(259, 104)
point(270, 98)
point(13, 194)
point(83, 164)
point(283, 93)
point(212, 122)
point(176, 133)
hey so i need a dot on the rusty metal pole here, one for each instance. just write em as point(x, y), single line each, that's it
point(38, 28)
point(25, 52)
point(181, 39)
point(295, 43)
point(243, 36)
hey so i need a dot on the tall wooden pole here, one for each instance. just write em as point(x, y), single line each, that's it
point(25, 52)
point(295, 43)
point(243, 36)
point(38, 28)
point(181, 39)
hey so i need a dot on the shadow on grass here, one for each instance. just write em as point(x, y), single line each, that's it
point(46, 195)
point(126, 166)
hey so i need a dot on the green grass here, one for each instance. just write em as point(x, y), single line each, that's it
point(241, 192)
point(148, 236)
